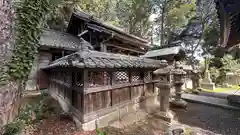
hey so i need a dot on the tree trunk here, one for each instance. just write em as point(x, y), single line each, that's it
point(9, 93)
point(162, 23)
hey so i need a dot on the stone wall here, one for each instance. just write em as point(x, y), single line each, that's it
point(9, 103)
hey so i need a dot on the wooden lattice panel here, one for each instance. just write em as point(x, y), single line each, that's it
point(96, 79)
point(121, 77)
point(136, 76)
point(148, 76)
point(77, 79)
point(68, 77)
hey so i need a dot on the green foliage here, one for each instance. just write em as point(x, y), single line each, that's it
point(26, 116)
point(180, 12)
point(227, 62)
point(13, 128)
point(134, 16)
point(172, 17)
point(220, 66)
point(29, 17)
point(60, 14)
point(102, 9)
point(211, 38)
point(100, 132)
point(214, 74)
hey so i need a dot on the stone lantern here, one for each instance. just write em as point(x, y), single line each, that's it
point(178, 80)
point(164, 85)
point(196, 79)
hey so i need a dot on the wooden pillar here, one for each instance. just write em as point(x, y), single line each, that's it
point(130, 81)
point(63, 53)
point(103, 47)
point(84, 100)
point(85, 79)
point(110, 92)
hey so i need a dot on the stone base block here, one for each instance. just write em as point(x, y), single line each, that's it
point(119, 112)
point(209, 86)
point(178, 103)
point(166, 116)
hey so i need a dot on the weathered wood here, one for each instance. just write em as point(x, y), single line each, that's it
point(85, 79)
point(120, 95)
point(91, 116)
point(109, 87)
point(61, 83)
point(103, 47)
point(125, 48)
point(130, 80)
point(137, 91)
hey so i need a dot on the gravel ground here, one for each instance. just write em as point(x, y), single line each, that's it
point(220, 121)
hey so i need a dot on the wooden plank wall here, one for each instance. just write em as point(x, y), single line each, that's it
point(105, 99)
point(120, 95)
point(42, 78)
point(137, 91)
point(96, 101)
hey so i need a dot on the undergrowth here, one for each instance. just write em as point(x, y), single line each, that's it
point(28, 115)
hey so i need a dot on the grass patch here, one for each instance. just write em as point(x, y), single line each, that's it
point(220, 89)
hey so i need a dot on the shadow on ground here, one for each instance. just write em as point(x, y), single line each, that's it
point(218, 120)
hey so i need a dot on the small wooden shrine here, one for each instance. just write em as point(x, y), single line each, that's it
point(102, 36)
point(93, 85)
point(169, 53)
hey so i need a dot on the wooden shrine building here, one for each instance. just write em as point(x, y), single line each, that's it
point(102, 36)
point(105, 37)
point(92, 85)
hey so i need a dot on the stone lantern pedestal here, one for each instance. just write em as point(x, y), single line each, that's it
point(164, 85)
point(178, 80)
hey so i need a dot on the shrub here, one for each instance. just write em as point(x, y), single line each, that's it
point(13, 128)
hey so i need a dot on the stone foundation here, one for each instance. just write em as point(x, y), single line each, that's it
point(118, 112)
point(106, 116)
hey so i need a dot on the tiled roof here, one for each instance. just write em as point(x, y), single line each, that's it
point(163, 52)
point(94, 59)
point(57, 39)
point(87, 58)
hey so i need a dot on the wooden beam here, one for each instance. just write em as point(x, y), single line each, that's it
point(124, 48)
point(103, 47)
